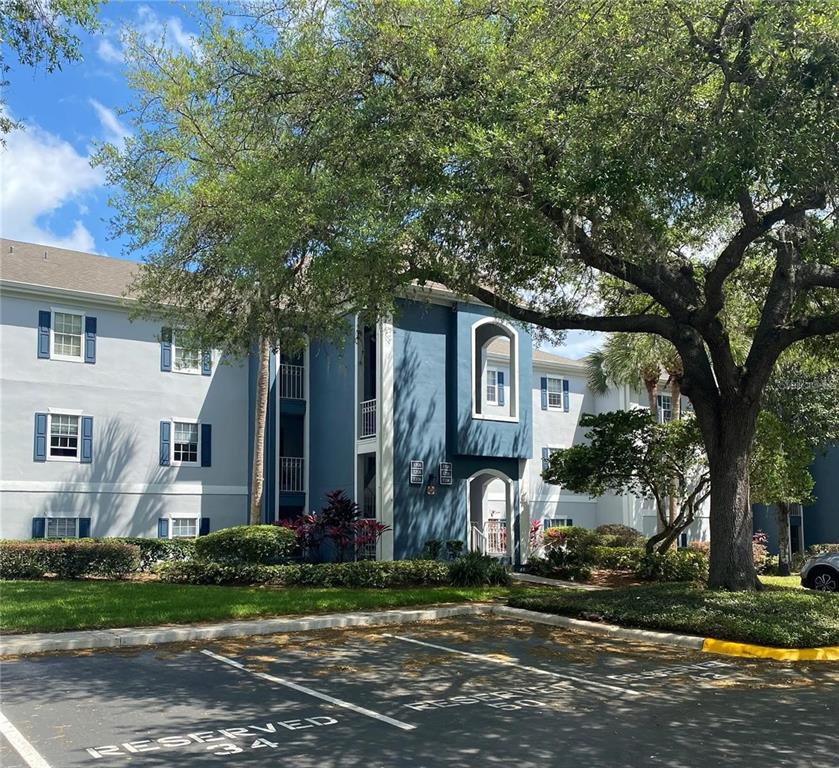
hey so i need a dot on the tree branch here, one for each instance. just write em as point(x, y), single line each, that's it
point(817, 275)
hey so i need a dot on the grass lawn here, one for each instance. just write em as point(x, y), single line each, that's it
point(53, 606)
point(785, 618)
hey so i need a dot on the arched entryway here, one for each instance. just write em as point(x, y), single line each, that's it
point(489, 504)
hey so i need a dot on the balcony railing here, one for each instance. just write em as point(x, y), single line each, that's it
point(367, 423)
point(291, 381)
point(291, 474)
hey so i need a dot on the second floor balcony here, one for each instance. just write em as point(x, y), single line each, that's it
point(291, 477)
point(292, 381)
point(367, 419)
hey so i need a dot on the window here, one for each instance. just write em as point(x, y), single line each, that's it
point(554, 392)
point(492, 386)
point(67, 335)
point(62, 528)
point(556, 522)
point(186, 360)
point(665, 408)
point(185, 448)
point(546, 456)
point(184, 527)
point(64, 436)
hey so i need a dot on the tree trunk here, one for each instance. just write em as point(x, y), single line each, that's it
point(260, 415)
point(784, 554)
point(652, 400)
point(731, 564)
point(676, 414)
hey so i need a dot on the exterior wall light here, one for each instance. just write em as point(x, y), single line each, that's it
point(430, 488)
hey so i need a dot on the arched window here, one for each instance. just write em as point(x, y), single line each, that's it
point(495, 374)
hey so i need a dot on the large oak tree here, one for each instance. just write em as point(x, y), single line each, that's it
point(646, 166)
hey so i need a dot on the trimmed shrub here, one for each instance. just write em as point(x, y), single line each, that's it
point(821, 549)
point(681, 565)
point(616, 535)
point(154, 551)
point(258, 544)
point(476, 570)
point(551, 567)
point(365, 573)
point(568, 553)
point(67, 559)
point(617, 558)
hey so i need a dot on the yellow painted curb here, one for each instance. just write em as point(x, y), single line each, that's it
point(827, 653)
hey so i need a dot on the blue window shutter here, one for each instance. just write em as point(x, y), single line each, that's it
point(546, 455)
point(204, 529)
point(90, 339)
point(44, 320)
point(206, 363)
point(500, 387)
point(162, 528)
point(84, 527)
point(87, 440)
point(40, 437)
point(166, 350)
point(566, 405)
point(206, 445)
point(544, 393)
point(165, 442)
point(39, 527)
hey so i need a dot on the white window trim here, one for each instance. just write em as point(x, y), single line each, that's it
point(172, 462)
point(189, 371)
point(64, 412)
point(560, 379)
point(66, 358)
point(488, 371)
point(195, 518)
point(566, 521)
point(660, 409)
point(514, 374)
point(52, 516)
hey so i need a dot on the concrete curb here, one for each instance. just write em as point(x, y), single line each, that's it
point(16, 645)
point(612, 630)
point(531, 579)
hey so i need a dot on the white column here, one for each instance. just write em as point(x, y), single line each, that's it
point(384, 437)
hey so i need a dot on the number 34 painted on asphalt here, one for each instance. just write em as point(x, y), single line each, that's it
point(229, 748)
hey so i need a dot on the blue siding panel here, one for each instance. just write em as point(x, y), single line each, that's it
point(331, 418)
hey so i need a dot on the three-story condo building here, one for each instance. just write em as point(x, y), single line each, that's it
point(438, 421)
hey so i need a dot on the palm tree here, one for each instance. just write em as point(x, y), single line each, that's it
point(632, 359)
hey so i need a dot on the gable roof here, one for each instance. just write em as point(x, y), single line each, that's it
point(500, 348)
point(63, 269)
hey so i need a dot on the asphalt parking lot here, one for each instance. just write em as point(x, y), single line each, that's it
point(467, 692)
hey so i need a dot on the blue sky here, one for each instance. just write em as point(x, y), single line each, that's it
point(49, 193)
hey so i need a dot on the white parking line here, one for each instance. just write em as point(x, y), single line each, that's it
point(311, 692)
point(29, 754)
point(507, 663)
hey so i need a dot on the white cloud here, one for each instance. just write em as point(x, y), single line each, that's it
point(41, 173)
point(115, 131)
point(108, 51)
point(154, 29)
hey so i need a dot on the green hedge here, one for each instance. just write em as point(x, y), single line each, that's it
point(260, 544)
point(366, 573)
point(67, 559)
point(679, 565)
point(617, 558)
point(476, 570)
point(154, 551)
